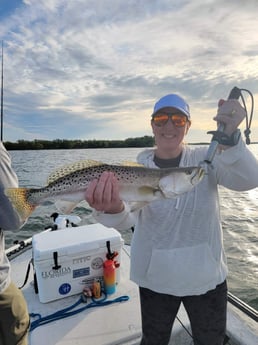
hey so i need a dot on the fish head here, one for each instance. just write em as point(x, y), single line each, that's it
point(180, 182)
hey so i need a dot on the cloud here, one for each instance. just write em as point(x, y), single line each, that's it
point(104, 64)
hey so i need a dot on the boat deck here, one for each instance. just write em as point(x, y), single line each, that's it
point(115, 324)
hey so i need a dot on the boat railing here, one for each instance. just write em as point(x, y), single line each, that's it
point(244, 307)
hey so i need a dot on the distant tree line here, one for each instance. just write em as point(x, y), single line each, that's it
point(146, 141)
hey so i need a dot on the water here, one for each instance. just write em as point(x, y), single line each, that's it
point(238, 210)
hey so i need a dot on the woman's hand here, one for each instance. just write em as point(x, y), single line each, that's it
point(231, 114)
point(103, 194)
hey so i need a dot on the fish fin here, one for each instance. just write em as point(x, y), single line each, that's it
point(131, 164)
point(19, 200)
point(70, 168)
point(65, 206)
point(140, 193)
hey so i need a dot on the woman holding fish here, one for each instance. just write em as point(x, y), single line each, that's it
point(177, 252)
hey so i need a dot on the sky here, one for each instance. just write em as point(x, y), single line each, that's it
point(93, 69)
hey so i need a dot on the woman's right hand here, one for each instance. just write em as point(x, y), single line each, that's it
point(103, 194)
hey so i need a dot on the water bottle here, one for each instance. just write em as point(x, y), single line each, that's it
point(109, 276)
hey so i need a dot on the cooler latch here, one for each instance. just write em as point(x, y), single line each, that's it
point(55, 257)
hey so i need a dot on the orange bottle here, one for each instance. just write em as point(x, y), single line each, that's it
point(109, 276)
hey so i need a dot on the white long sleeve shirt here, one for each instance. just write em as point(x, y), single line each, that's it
point(177, 246)
point(9, 219)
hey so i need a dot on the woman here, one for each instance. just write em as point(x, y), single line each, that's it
point(177, 252)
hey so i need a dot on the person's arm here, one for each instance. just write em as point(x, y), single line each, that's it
point(236, 168)
point(9, 219)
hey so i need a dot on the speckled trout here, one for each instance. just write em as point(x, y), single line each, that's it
point(67, 186)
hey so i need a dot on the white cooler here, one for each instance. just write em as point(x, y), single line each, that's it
point(66, 261)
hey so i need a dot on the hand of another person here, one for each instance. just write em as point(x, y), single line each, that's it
point(231, 114)
point(103, 194)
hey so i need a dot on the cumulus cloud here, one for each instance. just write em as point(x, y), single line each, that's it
point(87, 69)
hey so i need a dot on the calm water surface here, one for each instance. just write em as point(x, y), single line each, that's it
point(238, 210)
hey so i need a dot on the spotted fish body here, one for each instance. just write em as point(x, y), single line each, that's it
point(137, 183)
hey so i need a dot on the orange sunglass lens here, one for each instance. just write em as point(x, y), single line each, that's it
point(178, 120)
point(161, 119)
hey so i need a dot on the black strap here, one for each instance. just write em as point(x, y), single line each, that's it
point(27, 274)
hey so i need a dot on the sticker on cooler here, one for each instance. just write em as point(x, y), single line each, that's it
point(64, 289)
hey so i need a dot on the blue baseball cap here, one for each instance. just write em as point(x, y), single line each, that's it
point(174, 101)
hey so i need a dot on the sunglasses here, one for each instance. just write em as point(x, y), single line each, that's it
point(161, 118)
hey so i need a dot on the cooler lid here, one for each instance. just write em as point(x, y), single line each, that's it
point(70, 241)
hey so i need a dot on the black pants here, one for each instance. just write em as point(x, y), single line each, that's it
point(207, 315)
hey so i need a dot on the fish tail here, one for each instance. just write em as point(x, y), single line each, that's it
point(19, 200)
